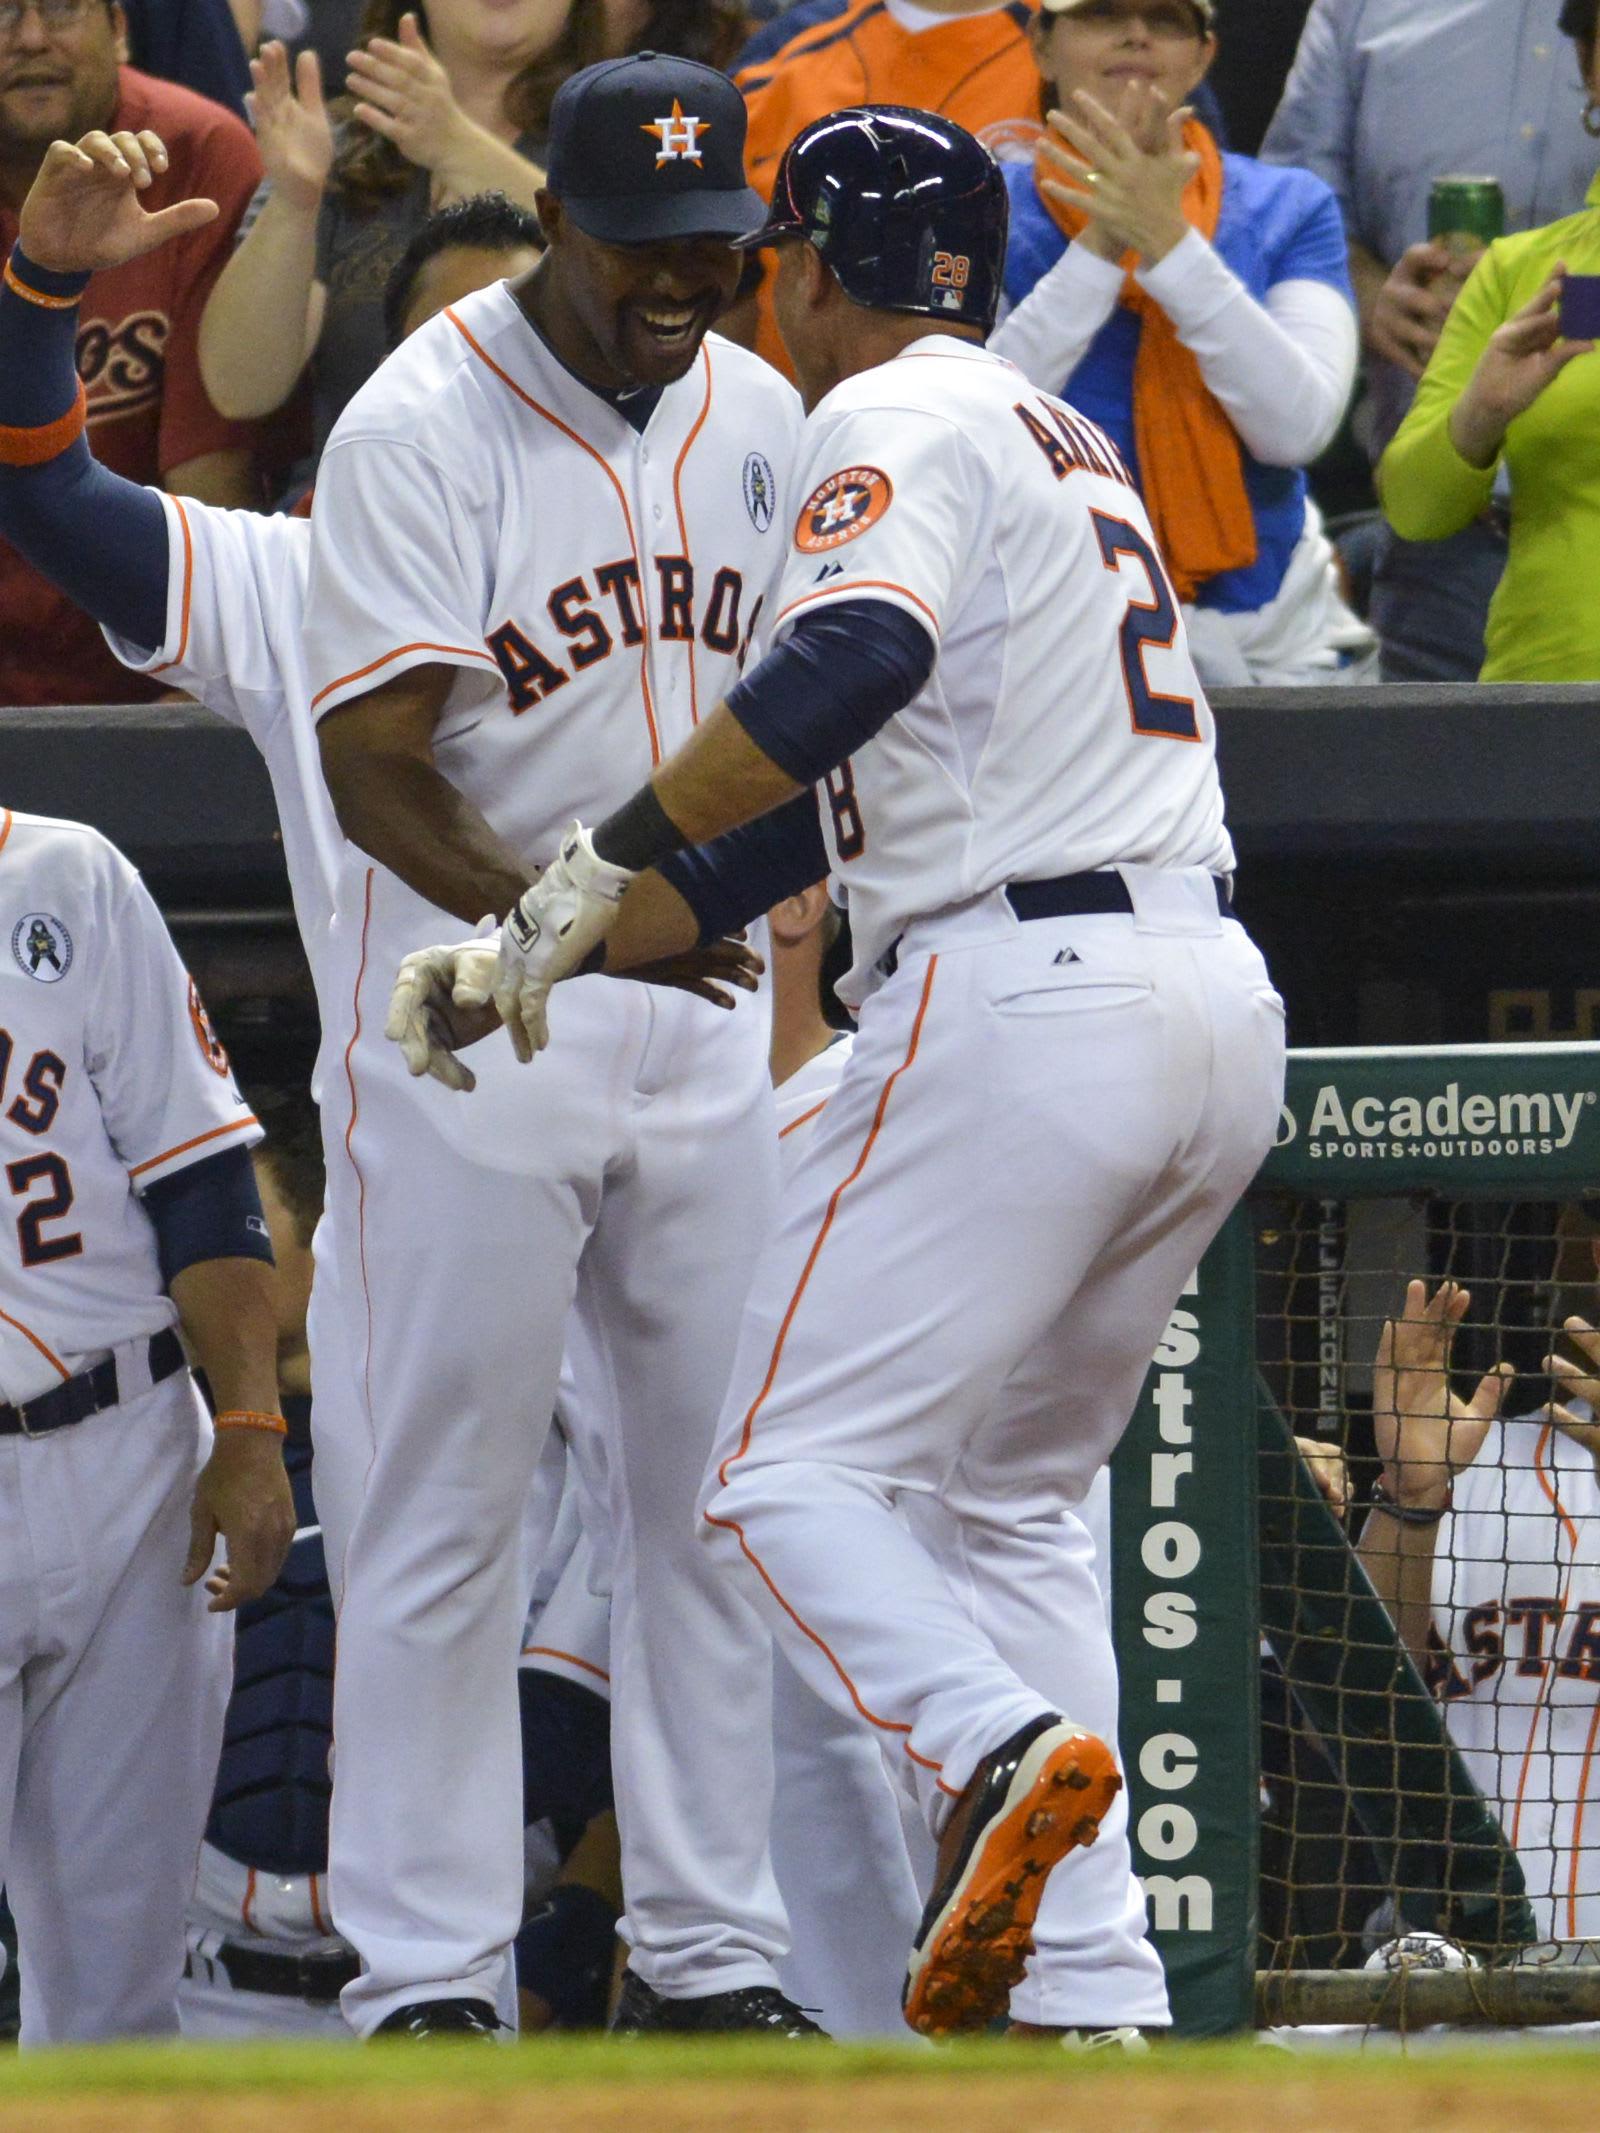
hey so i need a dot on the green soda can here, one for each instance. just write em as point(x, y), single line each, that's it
point(1466, 215)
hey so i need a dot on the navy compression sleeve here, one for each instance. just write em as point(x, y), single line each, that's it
point(842, 672)
point(736, 878)
point(102, 540)
point(208, 1210)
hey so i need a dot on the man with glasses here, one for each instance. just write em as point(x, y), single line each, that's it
point(62, 75)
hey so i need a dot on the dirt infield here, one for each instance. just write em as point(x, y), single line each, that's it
point(1181, 2092)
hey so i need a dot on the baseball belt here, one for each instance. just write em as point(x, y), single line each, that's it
point(1079, 895)
point(317, 1978)
point(89, 1393)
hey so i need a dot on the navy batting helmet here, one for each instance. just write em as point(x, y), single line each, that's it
point(906, 208)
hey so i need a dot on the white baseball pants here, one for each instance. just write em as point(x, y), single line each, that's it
point(113, 1684)
point(1041, 1129)
point(632, 1166)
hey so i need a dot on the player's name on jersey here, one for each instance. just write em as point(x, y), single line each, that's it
point(1535, 1636)
point(586, 618)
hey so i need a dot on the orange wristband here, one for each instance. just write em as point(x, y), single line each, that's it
point(47, 440)
point(248, 1418)
point(31, 295)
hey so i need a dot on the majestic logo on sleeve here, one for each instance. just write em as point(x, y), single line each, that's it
point(42, 947)
point(679, 136)
point(760, 491)
point(846, 505)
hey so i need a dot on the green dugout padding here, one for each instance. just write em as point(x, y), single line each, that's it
point(1486, 1122)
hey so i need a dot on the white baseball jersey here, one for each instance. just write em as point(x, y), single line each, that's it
point(802, 1096)
point(479, 507)
point(1064, 727)
point(110, 1078)
point(235, 640)
point(1516, 1608)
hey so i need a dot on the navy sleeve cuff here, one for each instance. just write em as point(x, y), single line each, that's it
point(208, 1210)
point(838, 677)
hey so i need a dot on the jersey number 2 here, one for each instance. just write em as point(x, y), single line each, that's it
point(1149, 625)
point(37, 1248)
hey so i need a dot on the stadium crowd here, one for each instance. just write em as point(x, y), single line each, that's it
point(1353, 427)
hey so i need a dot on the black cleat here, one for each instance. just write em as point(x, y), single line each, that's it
point(1037, 1797)
point(441, 2018)
point(761, 2009)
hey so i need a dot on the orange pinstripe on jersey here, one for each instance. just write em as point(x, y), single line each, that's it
point(976, 69)
point(236, 1125)
point(182, 652)
point(27, 1332)
point(730, 1525)
point(683, 529)
point(804, 1119)
point(548, 1651)
point(1573, 1932)
point(5, 830)
point(853, 586)
point(583, 443)
point(1541, 1467)
point(456, 651)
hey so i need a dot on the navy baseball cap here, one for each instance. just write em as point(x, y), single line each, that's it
point(646, 148)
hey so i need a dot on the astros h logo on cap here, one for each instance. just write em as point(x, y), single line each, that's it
point(679, 135)
point(647, 149)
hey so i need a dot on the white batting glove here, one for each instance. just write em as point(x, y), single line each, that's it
point(431, 982)
point(550, 932)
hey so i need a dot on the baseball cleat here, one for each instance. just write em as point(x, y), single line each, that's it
point(1039, 1796)
point(441, 2018)
point(760, 2008)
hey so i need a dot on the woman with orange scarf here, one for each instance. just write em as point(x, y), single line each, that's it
point(1197, 306)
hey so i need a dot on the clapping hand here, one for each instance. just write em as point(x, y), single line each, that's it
point(404, 94)
point(291, 121)
point(1425, 1435)
point(1128, 174)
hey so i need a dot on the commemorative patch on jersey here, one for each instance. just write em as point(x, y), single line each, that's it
point(42, 947)
point(760, 490)
point(845, 505)
point(211, 1050)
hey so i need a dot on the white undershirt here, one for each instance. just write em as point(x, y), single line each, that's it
point(916, 19)
point(1284, 370)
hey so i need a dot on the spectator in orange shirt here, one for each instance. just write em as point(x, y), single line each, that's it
point(62, 75)
point(965, 58)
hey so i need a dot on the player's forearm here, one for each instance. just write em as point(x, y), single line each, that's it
point(653, 922)
point(229, 1312)
point(100, 539)
point(1398, 1558)
point(718, 780)
point(412, 820)
point(255, 334)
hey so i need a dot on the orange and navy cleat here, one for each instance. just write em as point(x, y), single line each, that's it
point(1039, 1796)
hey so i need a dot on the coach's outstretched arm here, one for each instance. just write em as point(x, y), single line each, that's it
point(101, 539)
point(1425, 1436)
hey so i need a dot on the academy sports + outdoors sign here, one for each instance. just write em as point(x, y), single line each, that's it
point(1470, 1119)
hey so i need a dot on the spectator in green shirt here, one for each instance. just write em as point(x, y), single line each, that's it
point(1504, 384)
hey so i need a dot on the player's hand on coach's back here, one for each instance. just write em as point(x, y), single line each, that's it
point(82, 212)
point(1424, 1434)
point(242, 1497)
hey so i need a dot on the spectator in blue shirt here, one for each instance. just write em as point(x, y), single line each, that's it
point(1387, 95)
point(1197, 306)
point(195, 43)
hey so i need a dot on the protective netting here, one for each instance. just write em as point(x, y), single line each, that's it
point(1392, 1804)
